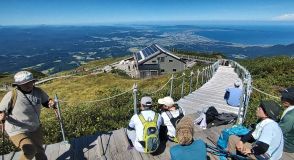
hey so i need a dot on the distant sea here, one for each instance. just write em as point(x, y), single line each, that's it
point(52, 49)
point(250, 34)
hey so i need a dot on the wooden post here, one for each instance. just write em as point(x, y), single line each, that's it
point(197, 80)
point(191, 81)
point(183, 83)
point(59, 117)
point(171, 86)
point(135, 90)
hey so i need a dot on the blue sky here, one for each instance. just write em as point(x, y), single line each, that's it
point(60, 12)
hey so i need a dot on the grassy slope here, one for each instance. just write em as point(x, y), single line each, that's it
point(269, 75)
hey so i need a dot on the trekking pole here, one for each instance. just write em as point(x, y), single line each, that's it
point(58, 113)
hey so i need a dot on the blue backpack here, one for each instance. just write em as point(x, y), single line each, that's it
point(194, 151)
point(224, 137)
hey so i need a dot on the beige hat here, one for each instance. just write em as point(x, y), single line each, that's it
point(23, 77)
point(168, 101)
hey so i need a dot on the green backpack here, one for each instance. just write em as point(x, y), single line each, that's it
point(150, 134)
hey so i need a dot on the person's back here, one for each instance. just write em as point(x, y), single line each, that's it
point(136, 126)
point(171, 116)
point(287, 119)
point(233, 95)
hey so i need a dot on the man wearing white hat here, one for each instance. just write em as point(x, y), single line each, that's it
point(171, 116)
point(20, 109)
point(233, 94)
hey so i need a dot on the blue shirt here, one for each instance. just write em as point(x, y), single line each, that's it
point(194, 151)
point(234, 97)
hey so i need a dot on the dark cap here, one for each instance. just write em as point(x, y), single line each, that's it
point(271, 108)
point(288, 94)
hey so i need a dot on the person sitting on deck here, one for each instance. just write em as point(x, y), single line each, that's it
point(287, 122)
point(171, 115)
point(143, 129)
point(187, 149)
point(266, 140)
point(233, 94)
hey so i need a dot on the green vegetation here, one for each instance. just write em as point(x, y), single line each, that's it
point(269, 74)
point(83, 115)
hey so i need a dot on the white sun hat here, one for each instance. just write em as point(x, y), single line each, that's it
point(23, 77)
point(168, 101)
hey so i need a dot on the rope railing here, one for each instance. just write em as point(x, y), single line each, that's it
point(245, 76)
point(260, 91)
point(103, 99)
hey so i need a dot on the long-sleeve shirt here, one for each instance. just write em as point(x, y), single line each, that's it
point(287, 126)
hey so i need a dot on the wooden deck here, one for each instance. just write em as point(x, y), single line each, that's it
point(111, 146)
point(212, 93)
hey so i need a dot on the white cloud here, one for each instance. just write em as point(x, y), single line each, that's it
point(285, 17)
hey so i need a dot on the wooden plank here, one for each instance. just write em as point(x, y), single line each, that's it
point(94, 147)
point(52, 151)
point(121, 141)
point(65, 150)
point(136, 155)
point(108, 144)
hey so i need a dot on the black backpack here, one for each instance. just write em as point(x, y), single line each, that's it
point(223, 119)
point(175, 120)
point(211, 114)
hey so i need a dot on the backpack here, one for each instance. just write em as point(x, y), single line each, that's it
point(150, 141)
point(211, 114)
point(223, 119)
point(175, 120)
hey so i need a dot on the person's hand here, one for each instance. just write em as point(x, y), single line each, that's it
point(2, 116)
point(240, 146)
point(246, 151)
point(51, 104)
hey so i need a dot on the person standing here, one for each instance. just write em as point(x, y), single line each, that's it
point(287, 122)
point(20, 108)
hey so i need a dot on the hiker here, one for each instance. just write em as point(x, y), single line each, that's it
point(287, 121)
point(143, 128)
point(233, 95)
point(171, 115)
point(266, 140)
point(187, 149)
point(21, 109)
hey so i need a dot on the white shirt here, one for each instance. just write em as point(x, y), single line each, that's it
point(139, 128)
point(171, 131)
point(271, 134)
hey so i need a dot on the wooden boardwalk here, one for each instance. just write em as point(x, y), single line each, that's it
point(111, 146)
point(114, 145)
point(212, 93)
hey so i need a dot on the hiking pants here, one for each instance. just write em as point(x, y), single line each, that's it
point(30, 144)
point(233, 140)
point(287, 156)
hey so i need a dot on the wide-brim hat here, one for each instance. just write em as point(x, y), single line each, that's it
point(168, 101)
point(271, 108)
point(23, 77)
